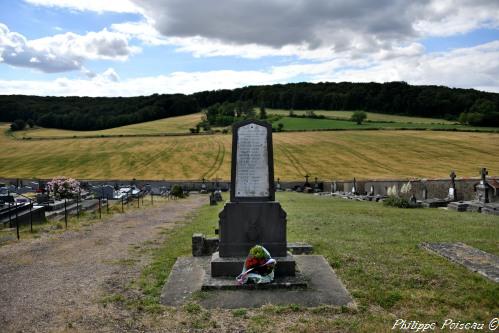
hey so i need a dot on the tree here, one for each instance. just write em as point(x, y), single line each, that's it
point(483, 106)
point(263, 112)
point(18, 125)
point(280, 127)
point(358, 117)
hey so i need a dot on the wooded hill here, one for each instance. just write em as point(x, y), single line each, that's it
point(93, 113)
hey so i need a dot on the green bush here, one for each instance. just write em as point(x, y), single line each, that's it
point(177, 191)
point(394, 201)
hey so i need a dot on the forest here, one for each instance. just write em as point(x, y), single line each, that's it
point(92, 113)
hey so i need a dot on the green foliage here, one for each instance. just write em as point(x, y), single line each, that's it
point(280, 126)
point(226, 114)
point(263, 113)
point(18, 125)
point(94, 113)
point(395, 201)
point(358, 117)
point(239, 312)
point(396, 98)
point(482, 113)
point(177, 191)
point(86, 113)
point(258, 252)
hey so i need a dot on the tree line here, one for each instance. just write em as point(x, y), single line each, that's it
point(466, 105)
point(92, 113)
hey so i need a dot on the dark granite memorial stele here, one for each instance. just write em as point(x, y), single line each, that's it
point(252, 216)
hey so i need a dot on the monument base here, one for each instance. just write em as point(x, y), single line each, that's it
point(315, 284)
point(232, 266)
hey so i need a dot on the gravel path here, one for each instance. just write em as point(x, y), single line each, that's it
point(46, 283)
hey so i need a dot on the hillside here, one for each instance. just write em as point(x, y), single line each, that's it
point(327, 155)
point(173, 125)
point(469, 106)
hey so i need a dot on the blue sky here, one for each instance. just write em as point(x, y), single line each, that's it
point(140, 47)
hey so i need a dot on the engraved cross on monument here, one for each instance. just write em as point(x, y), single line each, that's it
point(252, 216)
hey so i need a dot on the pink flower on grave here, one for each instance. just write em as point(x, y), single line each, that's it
point(63, 187)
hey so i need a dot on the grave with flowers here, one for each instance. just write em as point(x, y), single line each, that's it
point(252, 266)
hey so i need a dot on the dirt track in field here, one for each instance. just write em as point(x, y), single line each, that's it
point(54, 283)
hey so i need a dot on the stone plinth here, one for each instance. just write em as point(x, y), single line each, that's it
point(232, 266)
point(245, 224)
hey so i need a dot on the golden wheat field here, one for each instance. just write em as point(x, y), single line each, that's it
point(180, 124)
point(326, 155)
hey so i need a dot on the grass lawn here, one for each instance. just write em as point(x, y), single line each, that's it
point(309, 124)
point(370, 116)
point(326, 155)
point(373, 249)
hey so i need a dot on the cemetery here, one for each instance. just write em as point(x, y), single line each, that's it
point(249, 166)
point(327, 243)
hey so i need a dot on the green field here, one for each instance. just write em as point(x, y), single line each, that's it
point(327, 155)
point(310, 124)
point(370, 116)
point(373, 249)
point(180, 124)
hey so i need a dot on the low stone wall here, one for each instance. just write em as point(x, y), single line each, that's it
point(436, 188)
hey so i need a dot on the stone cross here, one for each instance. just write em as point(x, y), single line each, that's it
point(307, 184)
point(453, 179)
point(483, 174)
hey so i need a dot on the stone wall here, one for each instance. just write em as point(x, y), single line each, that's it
point(436, 188)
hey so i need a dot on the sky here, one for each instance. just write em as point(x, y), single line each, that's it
point(142, 47)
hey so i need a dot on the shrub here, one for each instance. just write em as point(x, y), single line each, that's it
point(394, 201)
point(358, 117)
point(177, 191)
point(18, 125)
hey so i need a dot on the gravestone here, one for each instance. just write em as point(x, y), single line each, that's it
point(316, 185)
point(452, 189)
point(104, 191)
point(483, 188)
point(334, 187)
point(371, 191)
point(278, 185)
point(252, 216)
point(203, 186)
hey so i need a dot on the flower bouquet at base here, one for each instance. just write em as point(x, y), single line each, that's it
point(258, 267)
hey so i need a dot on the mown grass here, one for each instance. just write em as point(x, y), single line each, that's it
point(370, 116)
point(310, 124)
point(374, 250)
point(327, 155)
point(180, 124)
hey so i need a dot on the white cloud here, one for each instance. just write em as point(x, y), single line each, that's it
point(62, 52)
point(475, 67)
point(117, 6)
point(103, 44)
